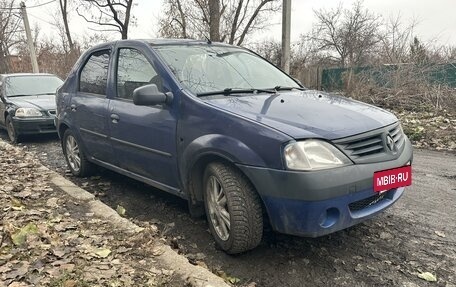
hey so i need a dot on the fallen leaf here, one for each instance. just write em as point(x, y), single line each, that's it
point(70, 283)
point(18, 284)
point(440, 233)
point(120, 210)
point(20, 236)
point(428, 276)
point(103, 252)
point(233, 280)
point(16, 204)
point(228, 278)
point(18, 271)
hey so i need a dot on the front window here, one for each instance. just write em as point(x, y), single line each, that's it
point(134, 71)
point(207, 68)
point(32, 85)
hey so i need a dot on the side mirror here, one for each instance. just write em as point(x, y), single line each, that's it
point(149, 95)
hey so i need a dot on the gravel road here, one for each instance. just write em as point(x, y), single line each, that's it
point(416, 235)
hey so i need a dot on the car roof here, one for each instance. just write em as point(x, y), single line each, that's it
point(182, 42)
point(161, 42)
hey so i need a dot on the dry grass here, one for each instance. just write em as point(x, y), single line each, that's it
point(407, 88)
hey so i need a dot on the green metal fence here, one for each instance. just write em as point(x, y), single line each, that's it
point(337, 78)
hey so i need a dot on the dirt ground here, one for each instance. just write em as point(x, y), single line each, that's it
point(416, 235)
point(48, 238)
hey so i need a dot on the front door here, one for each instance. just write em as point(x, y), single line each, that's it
point(143, 137)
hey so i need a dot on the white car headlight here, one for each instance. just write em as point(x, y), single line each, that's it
point(313, 154)
point(27, 113)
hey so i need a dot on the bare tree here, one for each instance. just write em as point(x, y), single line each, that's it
point(418, 52)
point(111, 15)
point(9, 28)
point(228, 21)
point(63, 4)
point(395, 40)
point(346, 36)
point(269, 49)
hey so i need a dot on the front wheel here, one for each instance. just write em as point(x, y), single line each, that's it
point(12, 134)
point(233, 209)
point(74, 155)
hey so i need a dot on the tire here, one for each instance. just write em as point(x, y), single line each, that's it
point(75, 156)
point(12, 133)
point(233, 209)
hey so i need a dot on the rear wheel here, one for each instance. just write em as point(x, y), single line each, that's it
point(74, 155)
point(233, 209)
point(12, 134)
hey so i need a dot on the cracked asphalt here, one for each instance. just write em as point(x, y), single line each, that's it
point(418, 234)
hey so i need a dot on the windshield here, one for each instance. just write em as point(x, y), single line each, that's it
point(16, 86)
point(206, 68)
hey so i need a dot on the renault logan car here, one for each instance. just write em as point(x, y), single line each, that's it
point(27, 104)
point(238, 138)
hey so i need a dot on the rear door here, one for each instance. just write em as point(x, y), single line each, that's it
point(89, 106)
point(142, 137)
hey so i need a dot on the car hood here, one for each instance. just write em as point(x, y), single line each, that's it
point(307, 114)
point(41, 102)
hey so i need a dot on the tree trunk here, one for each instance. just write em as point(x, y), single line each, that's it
point(3, 61)
point(235, 22)
point(183, 19)
point(214, 19)
point(127, 19)
point(64, 10)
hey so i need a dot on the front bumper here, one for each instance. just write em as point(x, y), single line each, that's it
point(25, 126)
point(321, 202)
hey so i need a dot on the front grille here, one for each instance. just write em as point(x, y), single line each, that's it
point(398, 136)
point(366, 146)
point(371, 146)
point(363, 203)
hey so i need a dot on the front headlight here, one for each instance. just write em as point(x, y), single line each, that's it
point(313, 155)
point(27, 113)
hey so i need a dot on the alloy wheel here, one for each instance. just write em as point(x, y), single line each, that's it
point(218, 208)
point(72, 153)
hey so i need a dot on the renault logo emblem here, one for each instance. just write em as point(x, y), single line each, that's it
point(390, 143)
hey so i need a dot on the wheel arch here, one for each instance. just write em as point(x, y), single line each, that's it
point(195, 182)
point(209, 148)
point(195, 175)
point(61, 129)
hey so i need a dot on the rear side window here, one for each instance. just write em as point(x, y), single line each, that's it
point(94, 75)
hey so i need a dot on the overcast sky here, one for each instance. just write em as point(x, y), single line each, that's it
point(437, 21)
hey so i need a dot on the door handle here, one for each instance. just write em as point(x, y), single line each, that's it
point(73, 107)
point(115, 118)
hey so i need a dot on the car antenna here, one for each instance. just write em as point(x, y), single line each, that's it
point(208, 40)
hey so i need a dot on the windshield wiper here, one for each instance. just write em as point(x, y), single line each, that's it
point(29, 95)
point(230, 91)
point(284, 88)
point(18, 95)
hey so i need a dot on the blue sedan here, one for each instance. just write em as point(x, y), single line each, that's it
point(238, 138)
